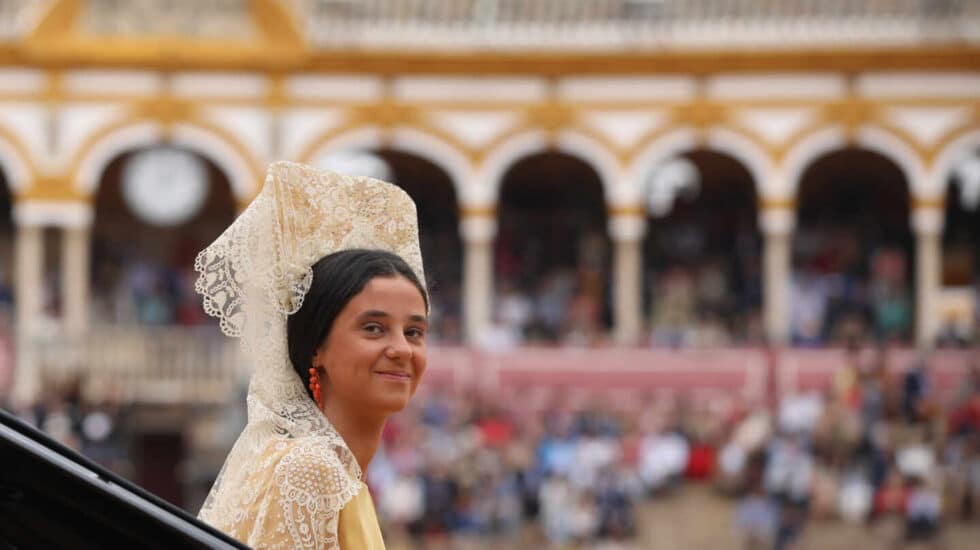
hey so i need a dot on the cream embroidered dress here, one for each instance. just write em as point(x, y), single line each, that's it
point(290, 481)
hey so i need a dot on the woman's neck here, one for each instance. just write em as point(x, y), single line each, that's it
point(361, 433)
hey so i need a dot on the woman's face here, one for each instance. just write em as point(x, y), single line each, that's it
point(374, 355)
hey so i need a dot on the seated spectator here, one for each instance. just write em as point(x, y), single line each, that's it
point(663, 458)
point(922, 511)
point(757, 518)
point(917, 404)
point(892, 496)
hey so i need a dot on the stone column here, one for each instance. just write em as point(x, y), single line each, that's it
point(75, 277)
point(478, 227)
point(777, 221)
point(29, 292)
point(626, 231)
point(31, 218)
point(927, 223)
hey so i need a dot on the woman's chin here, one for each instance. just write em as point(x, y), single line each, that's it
point(391, 397)
point(392, 404)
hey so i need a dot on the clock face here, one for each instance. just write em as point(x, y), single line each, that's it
point(165, 186)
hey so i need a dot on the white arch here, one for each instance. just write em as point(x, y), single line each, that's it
point(408, 140)
point(596, 155)
point(674, 143)
point(887, 144)
point(244, 182)
point(748, 153)
point(148, 134)
point(570, 142)
point(684, 140)
point(97, 158)
point(368, 137)
point(443, 154)
point(872, 138)
point(15, 167)
point(808, 150)
point(957, 150)
point(501, 157)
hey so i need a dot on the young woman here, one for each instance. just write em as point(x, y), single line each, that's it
point(322, 279)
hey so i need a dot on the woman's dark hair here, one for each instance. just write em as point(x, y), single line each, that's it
point(337, 278)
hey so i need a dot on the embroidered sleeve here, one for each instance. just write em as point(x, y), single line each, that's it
point(309, 487)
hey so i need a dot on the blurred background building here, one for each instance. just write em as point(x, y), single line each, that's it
point(635, 214)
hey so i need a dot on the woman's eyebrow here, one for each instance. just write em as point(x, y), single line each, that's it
point(374, 313)
point(379, 314)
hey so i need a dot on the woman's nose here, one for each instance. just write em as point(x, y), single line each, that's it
point(399, 348)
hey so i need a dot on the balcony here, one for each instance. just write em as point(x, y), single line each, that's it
point(634, 25)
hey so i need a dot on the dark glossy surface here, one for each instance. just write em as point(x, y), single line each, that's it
point(52, 497)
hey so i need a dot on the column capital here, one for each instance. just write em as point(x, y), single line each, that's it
point(477, 224)
point(777, 219)
point(627, 226)
point(65, 214)
point(928, 217)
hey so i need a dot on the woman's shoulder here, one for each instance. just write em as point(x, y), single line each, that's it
point(295, 495)
point(316, 465)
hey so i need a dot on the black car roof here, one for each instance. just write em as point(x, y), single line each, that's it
point(53, 497)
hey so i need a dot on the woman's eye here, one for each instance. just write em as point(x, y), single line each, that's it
point(373, 329)
point(415, 333)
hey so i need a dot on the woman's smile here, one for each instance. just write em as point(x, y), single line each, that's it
point(396, 376)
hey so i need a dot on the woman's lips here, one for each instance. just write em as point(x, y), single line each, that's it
point(396, 376)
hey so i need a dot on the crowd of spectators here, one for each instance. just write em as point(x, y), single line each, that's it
point(489, 466)
point(441, 253)
point(706, 304)
point(695, 307)
point(845, 283)
point(146, 293)
point(142, 291)
point(838, 294)
point(562, 468)
point(877, 448)
point(690, 306)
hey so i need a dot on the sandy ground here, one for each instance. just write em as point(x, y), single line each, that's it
point(695, 518)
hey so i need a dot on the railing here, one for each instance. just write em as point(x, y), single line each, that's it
point(159, 365)
point(804, 370)
point(546, 24)
point(488, 12)
point(185, 366)
point(180, 365)
point(645, 24)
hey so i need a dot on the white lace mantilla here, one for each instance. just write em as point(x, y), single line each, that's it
point(290, 473)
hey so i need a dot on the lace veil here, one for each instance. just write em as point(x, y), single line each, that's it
point(251, 278)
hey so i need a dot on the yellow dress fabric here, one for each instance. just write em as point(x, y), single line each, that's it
point(304, 499)
point(359, 528)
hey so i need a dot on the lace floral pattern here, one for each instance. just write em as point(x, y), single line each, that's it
point(290, 473)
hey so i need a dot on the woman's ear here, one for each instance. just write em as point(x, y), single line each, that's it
point(319, 360)
point(321, 350)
